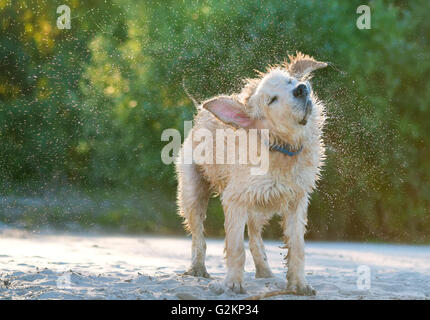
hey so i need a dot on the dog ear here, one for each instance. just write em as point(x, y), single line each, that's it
point(301, 65)
point(229, 111)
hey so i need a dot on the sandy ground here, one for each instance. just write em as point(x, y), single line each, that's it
point(85, 266)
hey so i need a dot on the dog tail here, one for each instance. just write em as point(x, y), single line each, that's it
point(196, 103)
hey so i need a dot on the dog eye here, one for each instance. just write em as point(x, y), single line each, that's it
point(273, 100)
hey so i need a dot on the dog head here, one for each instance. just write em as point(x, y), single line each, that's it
point(281, 100)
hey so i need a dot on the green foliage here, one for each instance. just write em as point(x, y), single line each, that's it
point(86, 106)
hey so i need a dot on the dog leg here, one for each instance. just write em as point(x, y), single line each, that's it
point(255, 225)
point(294, 226)
point(193, 198)
point(234, 224)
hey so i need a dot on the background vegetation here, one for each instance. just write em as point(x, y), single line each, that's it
point(82, 110)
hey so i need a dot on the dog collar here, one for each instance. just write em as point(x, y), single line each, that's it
point(285, 148)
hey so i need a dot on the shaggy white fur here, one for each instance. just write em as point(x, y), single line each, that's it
point(280, 100)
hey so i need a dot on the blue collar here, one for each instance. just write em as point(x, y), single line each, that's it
point(286, 148)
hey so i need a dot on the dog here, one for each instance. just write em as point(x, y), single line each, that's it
point(280, 100)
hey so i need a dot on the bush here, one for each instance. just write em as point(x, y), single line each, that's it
point(89, 105)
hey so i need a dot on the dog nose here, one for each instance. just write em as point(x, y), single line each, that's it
point(300, 91)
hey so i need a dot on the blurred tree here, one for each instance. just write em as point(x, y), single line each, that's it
point(88, 104)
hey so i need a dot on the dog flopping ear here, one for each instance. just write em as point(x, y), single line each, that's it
point(229, 111)
point(302, 65)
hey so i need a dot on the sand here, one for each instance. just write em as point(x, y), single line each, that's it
point(95, 266)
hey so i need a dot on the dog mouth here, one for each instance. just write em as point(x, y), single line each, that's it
point(307, 107)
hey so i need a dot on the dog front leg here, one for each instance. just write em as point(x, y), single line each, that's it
point(234, 224)
point(256, 222)
point(294, 228)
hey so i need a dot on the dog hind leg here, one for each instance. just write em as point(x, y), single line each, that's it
point(193, 197)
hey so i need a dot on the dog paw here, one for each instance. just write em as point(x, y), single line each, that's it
point(197, 271)
point(267, 273)
point(229, 287)
point(306, 290)
point(235, 286)
point(303, 290)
